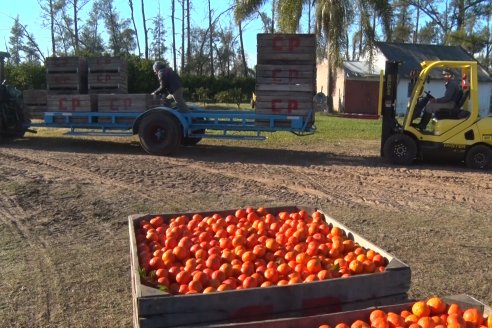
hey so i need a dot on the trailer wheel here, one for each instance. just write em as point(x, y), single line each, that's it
point(400, 149)
point(479, 157)
point(191, 141)
point(159, 134)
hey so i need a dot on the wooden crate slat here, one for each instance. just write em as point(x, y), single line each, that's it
point(60, 80)
point(347, 315)
point(107, 64)
point(110, 78)
point(117, 89)
point(35, 111)
point(286, 87)
point(35, 97)
point(66, 64)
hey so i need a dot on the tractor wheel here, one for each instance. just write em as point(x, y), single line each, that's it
point(159, 134)
point(400, 149)
point(191, 141)
point(479, 157)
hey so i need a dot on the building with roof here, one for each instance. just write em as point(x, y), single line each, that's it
point(357, 83)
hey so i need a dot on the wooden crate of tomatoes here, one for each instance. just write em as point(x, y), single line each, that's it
point(434, 312)
point(255, 263)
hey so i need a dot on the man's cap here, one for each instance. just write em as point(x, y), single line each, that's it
point(158, 65)
point(446, 71)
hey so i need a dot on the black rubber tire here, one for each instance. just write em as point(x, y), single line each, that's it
point(159, 134)
point(400, 149)
point(191, 141)
point(479, 157)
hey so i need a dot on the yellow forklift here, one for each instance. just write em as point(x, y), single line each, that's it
point(457, 134)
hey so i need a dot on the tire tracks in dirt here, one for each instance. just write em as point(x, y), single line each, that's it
point(84, 168)
point(44, 284)
point(346, 185)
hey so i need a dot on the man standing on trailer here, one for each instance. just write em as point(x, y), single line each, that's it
point(170, 82)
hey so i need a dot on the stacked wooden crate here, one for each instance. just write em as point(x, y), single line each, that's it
point(107, 75)
point(66, 75)
point(66, 79)
point(285, 74)
point(35, 103)
point(75, 85)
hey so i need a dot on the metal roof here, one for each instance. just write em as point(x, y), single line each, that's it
point(360, 69)
point(411, 55)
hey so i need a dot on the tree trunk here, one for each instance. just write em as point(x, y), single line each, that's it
point(417, 19)
point(130, 2)
point(146, 35)
point(188, 33)
point(182, 34)
point(245, 65)
point(75, 26)
point(330, 88)
point(174, 35)
point(272, 30)
point(211, 31)
point(460, 20)
point(52, 27)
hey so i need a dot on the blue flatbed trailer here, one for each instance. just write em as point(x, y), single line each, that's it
point(162, 130)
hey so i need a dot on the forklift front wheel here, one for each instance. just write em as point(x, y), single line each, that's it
point(400, 149)
point(159, 134)
point(479, 157)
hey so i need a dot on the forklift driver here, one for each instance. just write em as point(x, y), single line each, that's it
point(448, 101)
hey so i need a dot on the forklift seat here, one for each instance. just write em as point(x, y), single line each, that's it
point(456, 113)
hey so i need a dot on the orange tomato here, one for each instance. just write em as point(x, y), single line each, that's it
point(420, 309)
point(436, 305)
point(473, 317)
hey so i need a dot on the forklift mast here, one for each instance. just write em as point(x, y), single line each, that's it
point(388, 109)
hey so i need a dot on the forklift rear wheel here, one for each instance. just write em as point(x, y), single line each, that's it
point(479, 157)
point(400, 149)
point(159, 134)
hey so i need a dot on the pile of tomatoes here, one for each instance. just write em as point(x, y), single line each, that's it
point(246, 249)
point(430, 313)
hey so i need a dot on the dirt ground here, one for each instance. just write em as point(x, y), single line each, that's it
point(64, 205)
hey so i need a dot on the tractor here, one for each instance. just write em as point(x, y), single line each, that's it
point(13, 124)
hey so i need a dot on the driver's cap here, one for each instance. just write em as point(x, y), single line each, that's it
point(446, 71)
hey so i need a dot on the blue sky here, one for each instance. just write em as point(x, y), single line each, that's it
point(32, 18)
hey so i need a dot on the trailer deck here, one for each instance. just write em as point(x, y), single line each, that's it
point(199, 123)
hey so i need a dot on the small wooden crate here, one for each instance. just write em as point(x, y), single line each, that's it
point(107, 75)
point(35, 103)
point(127, 103)
point(66, 75)
point(154, 308)
point(348, 317)
point(72, 103)
point(286, 49)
